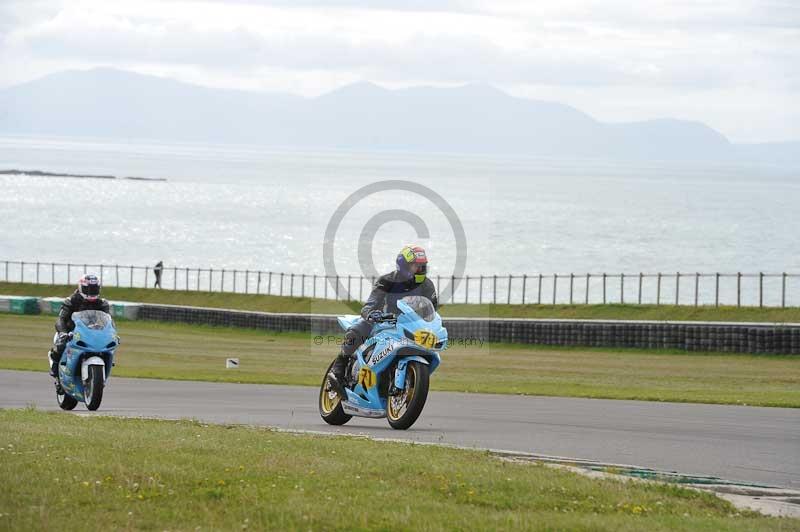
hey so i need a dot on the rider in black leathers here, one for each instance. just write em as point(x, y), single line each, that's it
point(409, 279)
point(85, 297)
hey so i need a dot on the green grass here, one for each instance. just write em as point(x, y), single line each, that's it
point(109, 473)
point(323, 306)
point(191, 352)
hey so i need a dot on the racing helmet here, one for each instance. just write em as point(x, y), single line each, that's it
point(89, 287)
point(412, 263)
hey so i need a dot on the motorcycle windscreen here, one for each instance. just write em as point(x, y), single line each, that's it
point(421, 306)
point(93, 319)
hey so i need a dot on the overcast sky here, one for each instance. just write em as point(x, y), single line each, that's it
point(733, 64)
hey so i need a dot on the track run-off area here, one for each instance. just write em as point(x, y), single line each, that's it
point(744, 444)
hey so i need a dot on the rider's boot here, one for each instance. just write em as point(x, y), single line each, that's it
point(53, 363)
point(336, 374)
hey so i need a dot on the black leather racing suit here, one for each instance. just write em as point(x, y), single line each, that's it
point(388, 290)
point(64, 323)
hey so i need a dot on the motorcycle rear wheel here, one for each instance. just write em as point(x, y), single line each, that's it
point(65, 402)
point(330, 404)
point(403, 410)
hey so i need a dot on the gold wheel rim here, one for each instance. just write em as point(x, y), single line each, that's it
point(329, 399)
point(398, 405)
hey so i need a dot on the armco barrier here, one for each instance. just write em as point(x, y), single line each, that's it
point(689, 336)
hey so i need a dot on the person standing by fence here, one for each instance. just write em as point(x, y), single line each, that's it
point(157, 270)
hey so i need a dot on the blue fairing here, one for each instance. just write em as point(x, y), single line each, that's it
point(382, 360)
point(94, 335)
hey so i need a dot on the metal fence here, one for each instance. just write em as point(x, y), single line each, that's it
point(676, 288)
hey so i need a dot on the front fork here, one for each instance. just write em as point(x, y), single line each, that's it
point(399, 383)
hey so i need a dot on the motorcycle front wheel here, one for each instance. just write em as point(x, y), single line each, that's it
point(403, 409)
point(93, 387)
point(330, 404)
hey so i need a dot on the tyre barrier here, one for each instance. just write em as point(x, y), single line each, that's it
point(775, 338)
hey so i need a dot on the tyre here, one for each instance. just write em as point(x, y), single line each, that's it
point(93, 387)
point(330, 404)
point(403, 410)
point(66, 402)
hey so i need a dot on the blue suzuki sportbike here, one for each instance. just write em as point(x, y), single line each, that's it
point(389, 375)
point(85, 365)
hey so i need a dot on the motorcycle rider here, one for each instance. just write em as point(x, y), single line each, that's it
point(85, 297)
point(409, 279)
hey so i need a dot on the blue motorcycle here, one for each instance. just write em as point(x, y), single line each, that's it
point(85, 365)
point(389, 375)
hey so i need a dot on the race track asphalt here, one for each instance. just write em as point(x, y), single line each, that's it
point(737, 443)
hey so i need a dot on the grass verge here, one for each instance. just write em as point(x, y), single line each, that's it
point(115, 473)
point(265, 303)
point(191, 352)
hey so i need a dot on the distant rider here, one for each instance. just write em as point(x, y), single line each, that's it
point(85, 297)
point(409, 279)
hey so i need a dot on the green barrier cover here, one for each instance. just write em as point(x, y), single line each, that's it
point(19, 304)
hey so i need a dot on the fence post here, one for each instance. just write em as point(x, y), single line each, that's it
point(738, 289)
point(555, 287)
point(604, 288)
point(480, 290)
point(571, 283)
point(349, 298)
point(641, 275)
point(198, 278)
point(677, 287)
point(783, 290)
point(53, 274)
point(258, 282)
point(325, 284)
point(269, 283)
point(524, 283)
point(508, 296)
point(539, 292)
point(586, 296)
point(22, 272)
point(494, 291)
point(247, 281)
point(696, 286)
point(716, 290)
point(116, 274)
point(452, 289)
point(222, 282)
point(303, 285)
point(291, 285)
point(760, 289)
point(210, 279)
point(622, 288)
point(360, 288)
point(280, 293)
point(314, 288)
point(658, 290)
point(174, 278)
point(130, 280)
point(234, 280)
point(187, 279)
point(37, 273)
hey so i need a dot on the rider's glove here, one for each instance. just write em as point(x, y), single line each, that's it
point(375, 316)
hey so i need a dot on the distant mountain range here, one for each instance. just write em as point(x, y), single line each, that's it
point(116, 104)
